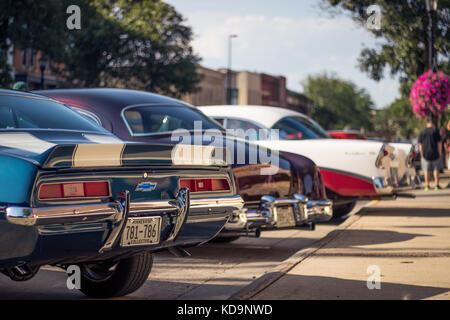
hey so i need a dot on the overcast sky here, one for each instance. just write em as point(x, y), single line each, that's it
point(286, 37)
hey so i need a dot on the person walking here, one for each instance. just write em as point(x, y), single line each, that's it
point(447, 145)
point(430, 145)
point(443, 157)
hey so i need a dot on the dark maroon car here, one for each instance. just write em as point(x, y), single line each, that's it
point(291, 197)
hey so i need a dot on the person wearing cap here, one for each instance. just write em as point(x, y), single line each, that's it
point(430, 149)
point(21, 86)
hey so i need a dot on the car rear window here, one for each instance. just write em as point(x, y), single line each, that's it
point(158, 119)
point(17, 112)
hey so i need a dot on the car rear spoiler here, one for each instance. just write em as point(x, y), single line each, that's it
point(132, 154)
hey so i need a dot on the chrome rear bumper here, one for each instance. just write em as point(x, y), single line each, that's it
point(281, 213)
point(178, 212)
point(27, 216)
point(390, 185)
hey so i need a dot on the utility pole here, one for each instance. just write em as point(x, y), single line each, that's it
point(42, 65)
point(431, 10)
point(229, 89)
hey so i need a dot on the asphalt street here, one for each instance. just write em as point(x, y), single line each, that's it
point(214, 270)
point(407, 241)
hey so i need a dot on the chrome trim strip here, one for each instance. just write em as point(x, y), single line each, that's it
point(27, 216)
point(384, 185)
point(33, 216)
point(380, 157)
point(182, 203)
point(319, 210)
point(121, 218)
point(266, 216)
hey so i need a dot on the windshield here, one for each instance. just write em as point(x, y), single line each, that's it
point(158, 119)
point(297, 128)
point(18, 112)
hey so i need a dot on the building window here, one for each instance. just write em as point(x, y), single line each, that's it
point(24, 57)
point(234, 96)
point(32, 57)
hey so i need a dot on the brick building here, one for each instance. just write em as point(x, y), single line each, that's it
point(247, 88)
point(299, 102)
point(274, 92)
point(212, 88)
point(26, 68)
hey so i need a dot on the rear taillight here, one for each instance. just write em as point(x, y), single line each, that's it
point(205, 185)
point(95, 189)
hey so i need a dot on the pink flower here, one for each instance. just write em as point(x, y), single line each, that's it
point(430, 94)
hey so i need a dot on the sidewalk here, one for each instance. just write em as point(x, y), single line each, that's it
point(408, 240)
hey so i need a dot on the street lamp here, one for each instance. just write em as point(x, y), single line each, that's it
point(42, 65)
point(431, 10)
point(229, 89)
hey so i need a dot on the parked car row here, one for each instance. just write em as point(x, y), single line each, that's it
point(94, 178)
point(351, 169)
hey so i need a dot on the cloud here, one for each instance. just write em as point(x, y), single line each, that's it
point(294, 47)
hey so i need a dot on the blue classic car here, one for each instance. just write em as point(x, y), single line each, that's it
point(73, 194)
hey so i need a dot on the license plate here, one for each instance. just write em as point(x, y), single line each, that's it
point(141, 231)
point(285, 217)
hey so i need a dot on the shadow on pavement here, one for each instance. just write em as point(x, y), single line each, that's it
point(51, 285)
point(407, 212)
point(151, 290)
point(46, 285)
point(430, 195)
point(355, 237)
point(316, 287)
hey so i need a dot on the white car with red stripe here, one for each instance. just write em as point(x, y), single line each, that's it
point(351, 169)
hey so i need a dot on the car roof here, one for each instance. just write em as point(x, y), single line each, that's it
point(110, 97)
point(25, 94)
point(265, 115)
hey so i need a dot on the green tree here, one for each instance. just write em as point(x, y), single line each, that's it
point(91, 52)
point(338, 103)
point(128, 43)
point(404, 48)
point(5, 70)
point(30, 24)
point(398, 121)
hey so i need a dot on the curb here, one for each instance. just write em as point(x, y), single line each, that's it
point(284, 267)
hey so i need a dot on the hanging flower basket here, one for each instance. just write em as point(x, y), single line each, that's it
point(430, 94)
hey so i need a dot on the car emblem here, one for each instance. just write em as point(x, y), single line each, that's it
point(146, 186)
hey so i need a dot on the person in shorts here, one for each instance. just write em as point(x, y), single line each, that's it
point(430, 149)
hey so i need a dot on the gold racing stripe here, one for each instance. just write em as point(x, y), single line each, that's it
point(94, 155)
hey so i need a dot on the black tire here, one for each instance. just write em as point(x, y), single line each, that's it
point(128, 276)
point(342, 210)
point(222, 239)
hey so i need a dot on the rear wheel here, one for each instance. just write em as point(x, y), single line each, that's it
point(115, 279)
point(343, 209)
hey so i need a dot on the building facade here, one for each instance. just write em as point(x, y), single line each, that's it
point(212, 88)
point(274, 92)
point(299, 102)
point(249, 88)
point(246, 88)
point(27, 66)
